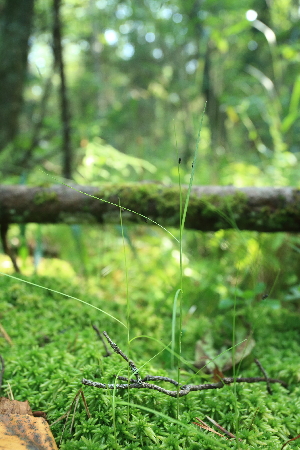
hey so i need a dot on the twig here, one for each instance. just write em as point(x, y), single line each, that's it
point(203, 425)
point(290, 440)
point(221, 428)
point(74, 404)
point(184, 390)
point(150, 378)
point(258, 363)
point(107, 352)
point(119, 351)
point(140, 383)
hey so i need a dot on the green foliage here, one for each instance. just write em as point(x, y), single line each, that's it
point(137, 78)
point(55, 347)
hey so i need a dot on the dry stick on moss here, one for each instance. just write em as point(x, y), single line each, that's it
point(107, 352)
point(184, 390)
point(67, 414)
point(150, 378)
point(290, 440)
point(258, 363)
point(222, 428)
point(116, 349)
point(203, 425)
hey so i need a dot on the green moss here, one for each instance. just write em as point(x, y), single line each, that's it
point(209, 212)
point(44, 196)
point(55, 347)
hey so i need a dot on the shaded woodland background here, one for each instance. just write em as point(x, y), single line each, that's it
point(111, 81)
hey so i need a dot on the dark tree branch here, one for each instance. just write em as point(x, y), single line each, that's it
point(64, 102)
point(15, 26)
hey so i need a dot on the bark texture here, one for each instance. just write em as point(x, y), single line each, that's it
point(15, 26)
point(210, 207)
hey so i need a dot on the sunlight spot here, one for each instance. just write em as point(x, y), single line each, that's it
point(123, 11)
point(177, 18)
point(127, 51)
point(125, 28)
point(36, 90)
point(150, 37)
point(191, 66)
point(251, 15)
point(176, 256)
point(188, 272)
point(157, 53)
point(111, 37)
point(89, 160)
point(165, 13)
point(6, 264)
point(192, 309)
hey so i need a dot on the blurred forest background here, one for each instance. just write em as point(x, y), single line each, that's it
point(113, 92)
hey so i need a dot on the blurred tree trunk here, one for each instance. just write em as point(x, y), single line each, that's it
point(216, 116)
point(64, 101)
point(210, 207)
point(15, 26)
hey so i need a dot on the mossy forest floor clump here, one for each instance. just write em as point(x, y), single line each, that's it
point(55, 346)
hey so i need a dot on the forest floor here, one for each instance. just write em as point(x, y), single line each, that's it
point(54, 347)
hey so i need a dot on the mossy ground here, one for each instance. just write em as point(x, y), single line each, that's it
point(55, 347)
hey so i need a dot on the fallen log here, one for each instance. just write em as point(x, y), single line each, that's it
point(210, 208)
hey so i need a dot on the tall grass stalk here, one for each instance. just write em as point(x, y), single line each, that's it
point(179, 292)
point(234, 371)
point(127, 302)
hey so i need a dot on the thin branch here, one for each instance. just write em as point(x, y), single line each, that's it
point(203, 425)
point(221, 428)
point(258, 363)
point(119, 351)
point(107, 352)
point(184, 390)
point(151, 378)
point(290, 440)
point(142, 383)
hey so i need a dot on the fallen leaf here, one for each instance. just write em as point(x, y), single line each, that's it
point(206, 354)
point(20, 430)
